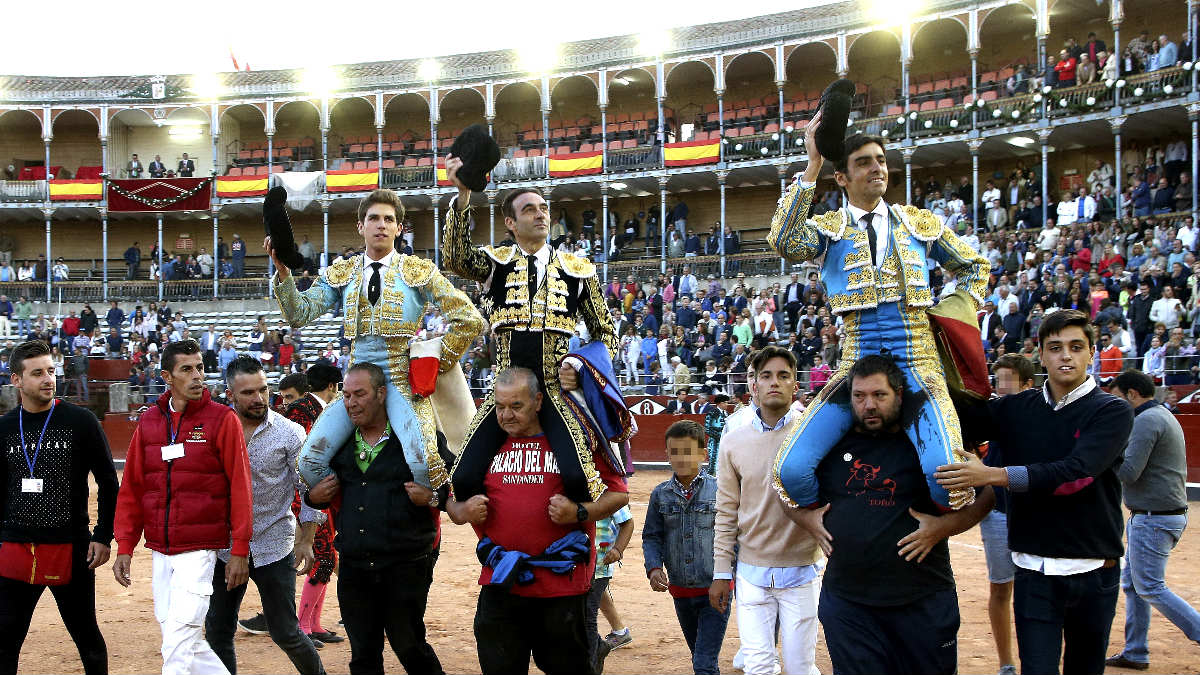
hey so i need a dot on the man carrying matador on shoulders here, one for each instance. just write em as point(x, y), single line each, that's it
point(875, 272)
point(384, 294)
point(534, 297)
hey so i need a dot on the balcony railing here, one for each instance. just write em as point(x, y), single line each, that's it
point(406, 177)
point(93, 291)
point(22, 190)
point(635, 159)
point(520, 168)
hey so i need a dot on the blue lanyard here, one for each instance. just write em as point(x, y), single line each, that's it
point(38, 448)
point(179, 428)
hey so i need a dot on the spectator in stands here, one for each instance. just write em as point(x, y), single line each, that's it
point(40, 268)
point(678, 217)
point(1167, 55)
point(1085, 72)
point(1183, 200)
point(186, 167)
point(712, 243)
point(157, 169)
point(1162, 198)
point(238, 255)
point(134, 167)
point(115, 316)
point(1167, 310)
point(1141, 197)
point(692, 246)
point(1100, 176)
point(1065, 69)
point(997, 216)
point(680, 405)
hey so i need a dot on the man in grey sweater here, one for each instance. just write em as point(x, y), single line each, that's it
point(1152, 475)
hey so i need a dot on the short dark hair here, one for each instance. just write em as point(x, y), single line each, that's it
point(507, 207)
point(244, 364)
point(295, 381)
point(875, 364)
point(26, 350)
point(174, 349)
point(852, 144)
point(759, 358)
point(687, 429)
point(321, 375)
point(1056, 322)
point(1020, 365)
point(380, 196)
point(378, 379)
point(1135, 381)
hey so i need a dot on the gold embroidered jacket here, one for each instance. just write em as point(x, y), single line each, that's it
point(851, 281)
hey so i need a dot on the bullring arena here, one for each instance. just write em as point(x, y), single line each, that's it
point(635, 139)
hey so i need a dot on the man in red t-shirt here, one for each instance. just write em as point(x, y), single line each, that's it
point(1111, 358)
point(525, 511)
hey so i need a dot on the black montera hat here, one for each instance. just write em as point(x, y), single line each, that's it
point(279, 228)
point(479, 154)
point(835, 115)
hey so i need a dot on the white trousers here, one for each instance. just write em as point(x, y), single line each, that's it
point(795, 610)
point(182, 589)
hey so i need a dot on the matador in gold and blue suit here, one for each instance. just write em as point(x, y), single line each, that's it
point(382, 333)
point(883, 303)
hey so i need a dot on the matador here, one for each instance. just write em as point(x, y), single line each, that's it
point(383, 294)
point(874, 266)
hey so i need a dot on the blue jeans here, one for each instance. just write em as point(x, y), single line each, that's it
point(704, 630)
point(1150, 541)
point(1064, 616)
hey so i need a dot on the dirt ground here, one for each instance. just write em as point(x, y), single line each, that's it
point(127, 617)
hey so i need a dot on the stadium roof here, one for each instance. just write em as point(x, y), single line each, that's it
point(821, 17)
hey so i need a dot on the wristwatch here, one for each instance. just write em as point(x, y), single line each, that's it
point(581, 512)
point(434, 501)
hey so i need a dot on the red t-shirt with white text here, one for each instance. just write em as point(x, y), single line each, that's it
point(519, 484)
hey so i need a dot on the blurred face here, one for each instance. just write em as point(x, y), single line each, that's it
point(36, 381)
point(1066, 356)
point(685, 455)
point(517, 411)
point(250, 394)
point(875, 404)
point(186, 379)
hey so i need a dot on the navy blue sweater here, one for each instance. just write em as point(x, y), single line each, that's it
point(1070, 506)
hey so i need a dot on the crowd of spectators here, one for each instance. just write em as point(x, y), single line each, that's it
point(134, 168)
point(1092, 61)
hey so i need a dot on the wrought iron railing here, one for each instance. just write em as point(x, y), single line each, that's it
point(22, 190)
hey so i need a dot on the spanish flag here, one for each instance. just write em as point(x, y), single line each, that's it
point(576, 164)
point(351, 181)
point(241, 186)
point(76, 190)
point(692, 153)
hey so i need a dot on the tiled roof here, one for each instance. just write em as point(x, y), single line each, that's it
point(478, 66)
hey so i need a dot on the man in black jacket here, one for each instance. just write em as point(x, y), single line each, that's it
point(1062, 446)
point(386, 532)
point(50, 449)
point(1139, 317)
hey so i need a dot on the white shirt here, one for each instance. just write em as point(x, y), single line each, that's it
point(879, 228)
point(387, 261)
point(990, 195)
point(1060, 567)
point(320, 401)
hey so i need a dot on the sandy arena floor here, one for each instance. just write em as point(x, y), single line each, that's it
point(127, 616)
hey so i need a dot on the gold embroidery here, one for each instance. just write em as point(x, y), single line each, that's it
point(920, 222)
point(340, 272)
point(416, 271)
point(857, 258)
point(861, 278)
point(575, 266)
point(503, 254)
point(461, 256)
point(832, 224)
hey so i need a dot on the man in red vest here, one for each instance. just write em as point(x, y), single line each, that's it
point(187, 489)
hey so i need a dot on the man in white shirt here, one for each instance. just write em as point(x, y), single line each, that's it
point(1048, 237)
point(1067, 210)
point(990, 194)
point(1100, 177)
point(206, 262)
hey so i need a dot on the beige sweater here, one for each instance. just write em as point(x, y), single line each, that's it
point(749, 511)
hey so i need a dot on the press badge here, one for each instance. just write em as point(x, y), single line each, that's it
point(173, 451)
point(33, 485)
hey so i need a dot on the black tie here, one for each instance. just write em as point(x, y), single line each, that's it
point(531, 263)
point(373, 283)
point(867, 222)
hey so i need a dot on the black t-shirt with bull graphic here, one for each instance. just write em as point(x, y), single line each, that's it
point(870, 482)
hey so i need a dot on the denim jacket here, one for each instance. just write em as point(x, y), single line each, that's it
point(678, 534)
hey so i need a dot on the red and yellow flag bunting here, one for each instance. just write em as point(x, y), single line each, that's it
point(691, 153)
point(76, 190)
point(352, 181)
point(576, 164)
point(241, 186)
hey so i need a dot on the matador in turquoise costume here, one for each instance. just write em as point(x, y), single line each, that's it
point(881, 291)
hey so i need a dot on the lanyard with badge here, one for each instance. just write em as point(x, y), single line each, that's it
point(32, 485)
point(173, 450)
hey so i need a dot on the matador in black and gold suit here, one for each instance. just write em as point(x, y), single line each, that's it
point(532, 318)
